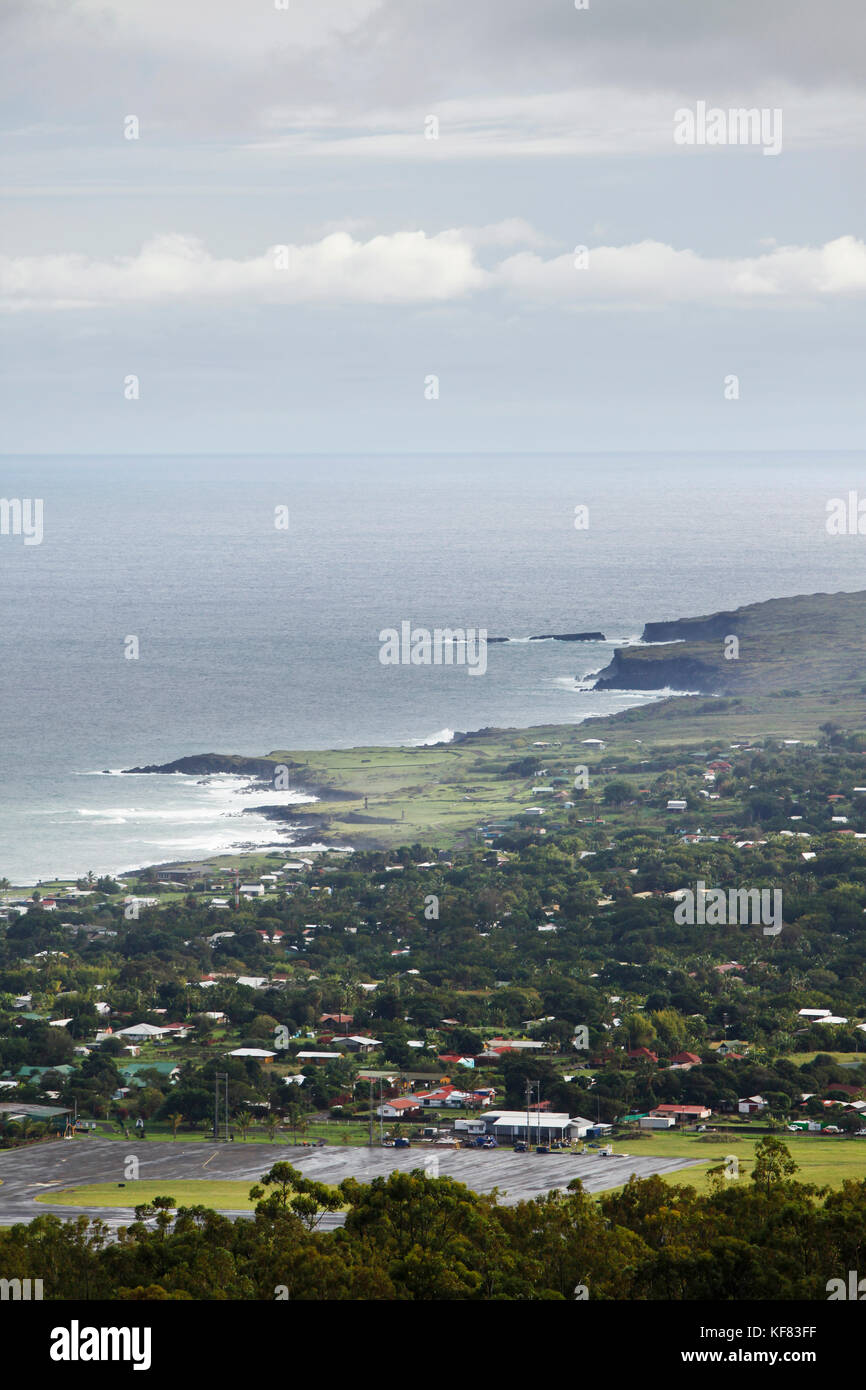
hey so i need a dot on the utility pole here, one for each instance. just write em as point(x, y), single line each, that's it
point(219, 1076)
point(371, 1112)
point(528, 1096)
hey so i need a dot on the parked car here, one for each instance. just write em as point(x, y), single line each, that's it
point(520, 1148)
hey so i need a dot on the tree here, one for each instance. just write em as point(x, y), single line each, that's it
point(244, 1120)
point(774, 1166)
point(293, 1193)
point(616, 792)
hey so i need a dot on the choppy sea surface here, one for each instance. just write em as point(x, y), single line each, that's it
point(253, 636)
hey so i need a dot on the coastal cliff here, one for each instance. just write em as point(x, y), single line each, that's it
point(811, 643)
point(682, 673)
point(208, 764)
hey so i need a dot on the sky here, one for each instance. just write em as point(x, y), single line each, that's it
point(361, 226)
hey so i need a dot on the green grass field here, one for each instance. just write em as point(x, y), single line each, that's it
point(824, 1161)
point(220, 1196)
point(335, 1132)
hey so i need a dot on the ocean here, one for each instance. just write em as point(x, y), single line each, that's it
point(253, 635)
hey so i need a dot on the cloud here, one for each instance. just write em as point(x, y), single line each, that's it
point(653, 274)
point(413, 268)
point(405, 268)
point(516, 76)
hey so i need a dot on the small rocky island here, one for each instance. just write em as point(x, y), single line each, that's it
point(555, 637)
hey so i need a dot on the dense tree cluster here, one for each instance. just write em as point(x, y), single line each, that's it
point(410, 1237)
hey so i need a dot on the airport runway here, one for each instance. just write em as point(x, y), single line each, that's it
point(30, 1172)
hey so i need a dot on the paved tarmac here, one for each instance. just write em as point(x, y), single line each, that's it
point(30, 1172)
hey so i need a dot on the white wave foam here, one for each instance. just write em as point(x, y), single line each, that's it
point(443, 736)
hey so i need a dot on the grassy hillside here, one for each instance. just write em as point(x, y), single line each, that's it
point(801, 663)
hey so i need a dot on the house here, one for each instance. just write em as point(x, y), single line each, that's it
point(252, 981)
point(261, 1054)
point(544, 1126)
point(475, 1127)
point(397, 1109)
point(656, 1121)
point(729, 1049)
point(676, 805)
point(54, 1116)
point(358, 1044)
point(683, 1114)
point(141, 1032)
point(453, 1060)
point(135, 1072)
point(751, 1105)
point(339, 1019)
point(188, 875)
point(642, 1054)
point(444, 1097)
point(685, 1059)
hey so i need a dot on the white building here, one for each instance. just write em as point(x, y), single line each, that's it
point(544, 1126)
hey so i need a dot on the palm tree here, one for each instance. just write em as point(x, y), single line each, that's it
point(245, 1119)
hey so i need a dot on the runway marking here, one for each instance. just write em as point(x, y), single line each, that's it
point(207, 1160)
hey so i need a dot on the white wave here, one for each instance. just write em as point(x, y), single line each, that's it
point(664, 692)
point(443, 736)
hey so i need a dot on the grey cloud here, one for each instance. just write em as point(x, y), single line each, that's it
point(216, 67)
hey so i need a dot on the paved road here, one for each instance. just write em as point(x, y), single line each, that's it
point(30, 1172)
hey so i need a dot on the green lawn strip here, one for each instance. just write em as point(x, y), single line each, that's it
point(826, 1162)
point(189, 1192)
point(221, 1196)
point(338, 1133)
